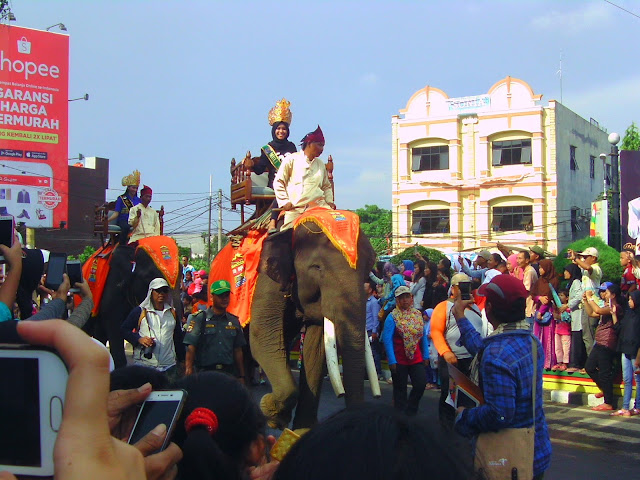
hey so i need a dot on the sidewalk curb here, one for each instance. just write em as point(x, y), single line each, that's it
point(575, 398)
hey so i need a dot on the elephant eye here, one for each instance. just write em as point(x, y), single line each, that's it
point(315, 266)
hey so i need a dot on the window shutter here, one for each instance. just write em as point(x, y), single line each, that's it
point(415, 162)
point(444, 160)
point(526, 154)
point(496, 156)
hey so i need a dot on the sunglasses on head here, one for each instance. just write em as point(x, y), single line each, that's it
point(161, 290)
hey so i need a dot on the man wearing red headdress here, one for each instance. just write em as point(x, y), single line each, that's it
point(144, 220)
point(302, 181)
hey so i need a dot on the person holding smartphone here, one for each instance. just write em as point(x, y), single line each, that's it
point(445, 336)
point(8, 289)
point(154, 332)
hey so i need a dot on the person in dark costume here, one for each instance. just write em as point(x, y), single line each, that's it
point(272, 153)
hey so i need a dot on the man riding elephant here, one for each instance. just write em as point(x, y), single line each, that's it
point(302, 181)
point(144, 220)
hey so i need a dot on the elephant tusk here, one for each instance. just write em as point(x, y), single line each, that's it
point(331, 355)
point(371, 368)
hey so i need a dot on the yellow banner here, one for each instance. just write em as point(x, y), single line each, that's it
point(24, 136)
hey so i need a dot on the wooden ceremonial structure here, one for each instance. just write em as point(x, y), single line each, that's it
point(104, 229)
point(243, 192)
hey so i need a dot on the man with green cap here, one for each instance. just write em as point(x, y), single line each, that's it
point(214, 337)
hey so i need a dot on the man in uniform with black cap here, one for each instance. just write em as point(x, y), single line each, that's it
point(214, 337)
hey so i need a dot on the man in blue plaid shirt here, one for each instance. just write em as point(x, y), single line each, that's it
point(505, 368)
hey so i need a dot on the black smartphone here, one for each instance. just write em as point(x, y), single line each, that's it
point(55, 270)
point(74, 271)
point(161, 406)
point(7, 226)
point(465, 290)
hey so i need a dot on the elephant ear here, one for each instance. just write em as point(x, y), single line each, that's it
point(276, 259)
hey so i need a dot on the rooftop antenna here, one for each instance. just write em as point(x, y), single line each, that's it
point(559, 73)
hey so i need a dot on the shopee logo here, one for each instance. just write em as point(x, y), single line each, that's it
point(28, 68)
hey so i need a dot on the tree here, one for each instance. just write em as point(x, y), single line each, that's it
point(631, 140)
point(430, 254)
point(376, 225)
point(609, 259)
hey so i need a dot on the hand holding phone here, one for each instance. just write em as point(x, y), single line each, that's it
point(55, 271)
point(465, 290)
point(160, 407)
point(74, 271)
point(85, 436)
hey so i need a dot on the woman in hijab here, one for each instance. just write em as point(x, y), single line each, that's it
point(545, 325)
point(628, 345)
point(578, 353)
point(272, 153)
point(512, 266)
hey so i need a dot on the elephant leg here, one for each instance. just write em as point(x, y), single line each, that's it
point(311, 377)
point(268, 348)
point(116, 345)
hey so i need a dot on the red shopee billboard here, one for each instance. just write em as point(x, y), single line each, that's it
point(34, 94)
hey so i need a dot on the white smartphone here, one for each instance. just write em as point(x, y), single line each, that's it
point(32, 398)
point(161, 406)
point(74, 271)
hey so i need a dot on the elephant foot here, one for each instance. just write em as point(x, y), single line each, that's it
point(276, 418)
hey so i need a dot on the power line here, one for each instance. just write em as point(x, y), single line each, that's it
point(623, 9)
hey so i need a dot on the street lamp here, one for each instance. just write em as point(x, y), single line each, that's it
point(84, 97)
point(61, 25)
point(603, 157)
point(616, 238)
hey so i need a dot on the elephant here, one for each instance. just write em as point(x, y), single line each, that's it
point(301, 270)
point(124, 290)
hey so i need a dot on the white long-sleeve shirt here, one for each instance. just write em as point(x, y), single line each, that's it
point(301, 181)
point(149, 224)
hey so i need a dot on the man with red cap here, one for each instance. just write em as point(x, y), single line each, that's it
point(302, 181)
point(144, 220)
point(509, 369)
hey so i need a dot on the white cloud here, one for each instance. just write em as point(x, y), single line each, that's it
point(592, 16)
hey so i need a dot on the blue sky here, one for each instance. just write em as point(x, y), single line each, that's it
point(179, 88)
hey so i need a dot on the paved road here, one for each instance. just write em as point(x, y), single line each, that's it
point(586, 444)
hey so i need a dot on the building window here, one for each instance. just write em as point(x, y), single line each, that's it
point(430, 158)
point(573, 163)
point(511, 152)
point(575, 224)
point(430, 221)
point(592, 167)
point(507, 219)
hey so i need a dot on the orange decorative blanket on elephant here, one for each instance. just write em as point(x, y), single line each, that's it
point(340, 226)
point(239, 266)
point(95, 270)
point(163, 251)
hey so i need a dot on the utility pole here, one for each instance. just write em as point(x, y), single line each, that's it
point(219, 219)
point(209, 235)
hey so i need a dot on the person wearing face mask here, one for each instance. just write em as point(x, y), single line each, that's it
point(273, 153)
point(302, 181)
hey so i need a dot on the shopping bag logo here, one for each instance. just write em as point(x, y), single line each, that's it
point(24, 45)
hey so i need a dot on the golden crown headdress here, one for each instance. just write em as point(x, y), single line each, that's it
point(281, 112)
point(131, 180)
